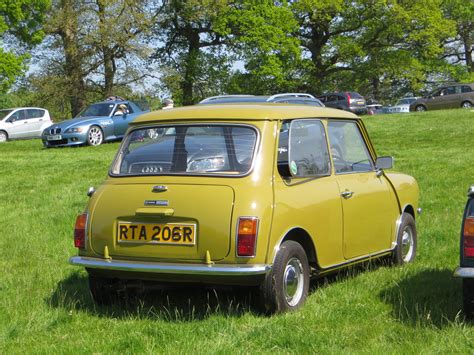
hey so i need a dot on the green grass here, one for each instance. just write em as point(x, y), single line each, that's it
point(45, 305)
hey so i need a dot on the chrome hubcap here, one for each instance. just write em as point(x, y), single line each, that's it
point(3, 137)
point(420, 108)
point(467, 105)
point(407, 244)
point(293, 281)
point(95, 136)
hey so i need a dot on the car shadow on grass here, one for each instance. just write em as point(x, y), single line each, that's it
point(432, 297)
point(179, 303)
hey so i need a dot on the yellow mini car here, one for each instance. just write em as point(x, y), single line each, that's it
point(267, 195)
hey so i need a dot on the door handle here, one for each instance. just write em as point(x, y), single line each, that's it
point(347, 194)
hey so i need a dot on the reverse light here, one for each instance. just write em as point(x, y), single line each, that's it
point(468, 237)
point(80, 231)
point(247, 229)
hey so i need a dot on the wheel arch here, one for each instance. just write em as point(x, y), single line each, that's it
point(302, 237)
point(6, 133)
point(466, 100)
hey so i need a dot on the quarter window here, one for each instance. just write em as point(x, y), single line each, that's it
point(308, 151)
point(348, 149)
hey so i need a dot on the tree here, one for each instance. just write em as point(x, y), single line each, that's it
point(368, 43)
point(20, 24)
point(459, 48)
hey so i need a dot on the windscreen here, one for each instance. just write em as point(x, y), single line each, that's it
point(100, 110)
point(4, 113)
point(187, 150)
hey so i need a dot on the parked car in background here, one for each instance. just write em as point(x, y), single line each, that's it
point(448, 96)
point(466, 268)
point(402, 105)
point(100, 122)
point(249, 194)
point(374, 109)
point(285, 98)
point(348, 101)
point(23, 123)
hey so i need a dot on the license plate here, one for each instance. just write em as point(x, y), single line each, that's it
point(56, 137)
point(156, 233)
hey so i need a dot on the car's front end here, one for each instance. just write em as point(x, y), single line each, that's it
point(64, 134)
point(466, 268)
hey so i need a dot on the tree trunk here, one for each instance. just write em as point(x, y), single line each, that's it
point(73, 58)
point(191, 66)
point(107, 54)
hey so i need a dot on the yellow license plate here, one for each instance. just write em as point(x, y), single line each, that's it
point(156, 233)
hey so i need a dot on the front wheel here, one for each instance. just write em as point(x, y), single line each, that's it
point(466, 104)
point(286, 286)
point(405, 251)
point(420, 108)
point(3, 136)
point(95, 136)
point(468, 297)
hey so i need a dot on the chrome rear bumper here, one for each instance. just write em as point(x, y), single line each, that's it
point(465, 272)
point(171, 268)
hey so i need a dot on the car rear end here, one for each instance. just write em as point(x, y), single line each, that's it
point(356, 103)
point(466, 268)
point(177, 206)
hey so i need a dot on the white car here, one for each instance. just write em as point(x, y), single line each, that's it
point(402, 105)
point(23, 123)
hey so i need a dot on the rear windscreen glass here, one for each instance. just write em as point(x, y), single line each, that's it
point(187, 150)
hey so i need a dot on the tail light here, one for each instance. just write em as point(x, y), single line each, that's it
point(348, 97)
point(247, 230)
point(468, 237)
point(80, 231)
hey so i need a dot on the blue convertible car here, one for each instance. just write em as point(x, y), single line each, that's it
point(100, 122)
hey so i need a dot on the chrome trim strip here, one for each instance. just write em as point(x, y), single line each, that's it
point(464, 272)
point(355, 260)
point(171, 268)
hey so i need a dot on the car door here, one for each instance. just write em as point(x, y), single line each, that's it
point(368, 207)
point(121, 122)
point(16, 124)
point(307, 195)
point(35, 119)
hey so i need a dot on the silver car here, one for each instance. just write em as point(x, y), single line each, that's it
point(23, 123)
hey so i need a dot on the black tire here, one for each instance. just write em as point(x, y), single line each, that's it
point(466, 104)
point(95, 136)
point(468, 297)
point(420, 108)
point(286, 286)
point(405, 251)
point(103, 290)
point(3, 136)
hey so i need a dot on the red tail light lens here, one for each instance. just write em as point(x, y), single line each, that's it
point(80, 231)
point(468, 238)
point(247, 236)
point(348, 97)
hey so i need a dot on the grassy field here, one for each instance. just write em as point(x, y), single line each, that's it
point(45, 306)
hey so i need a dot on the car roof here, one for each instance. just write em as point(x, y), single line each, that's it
point(243, 112)
point(22, 108)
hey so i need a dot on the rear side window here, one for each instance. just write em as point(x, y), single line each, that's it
point(34, 113)
point(308, 151)
point(187, 150)
point(466, 88)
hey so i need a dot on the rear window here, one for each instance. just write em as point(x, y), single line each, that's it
point(355, 95)
point(187, 150)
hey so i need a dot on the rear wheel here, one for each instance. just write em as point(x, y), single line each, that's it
point(285, 288)
point(3, 136)
point(468, 297)
point(466, 104)
point(405, 251)
point(95, 136)
point(420, 108)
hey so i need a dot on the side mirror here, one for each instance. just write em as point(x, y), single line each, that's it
point(384, 162)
